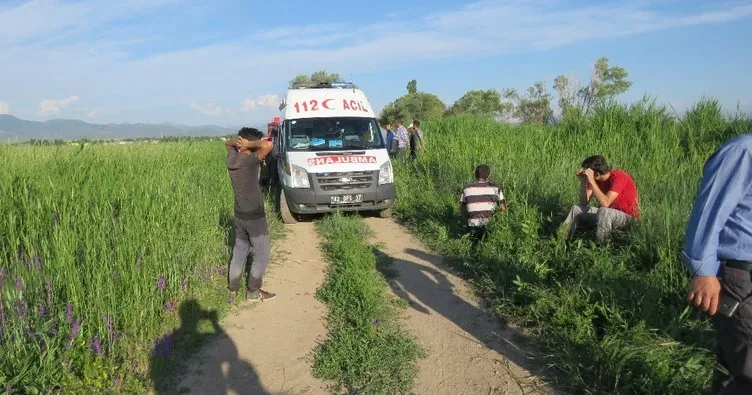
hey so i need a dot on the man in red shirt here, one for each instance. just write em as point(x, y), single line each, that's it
point(615, 192)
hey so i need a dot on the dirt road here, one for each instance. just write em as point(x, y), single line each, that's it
point(268, 347)
point(468, 352)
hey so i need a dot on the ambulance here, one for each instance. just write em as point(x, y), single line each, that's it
point(330, 154)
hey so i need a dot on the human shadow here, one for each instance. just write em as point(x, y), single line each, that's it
point(220, 370)
point(428, 290)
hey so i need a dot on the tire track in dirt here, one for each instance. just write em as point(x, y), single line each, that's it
point(267, 346)
point(468, 352)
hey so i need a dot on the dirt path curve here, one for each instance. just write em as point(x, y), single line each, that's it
point(467, 351)
point(267, 348)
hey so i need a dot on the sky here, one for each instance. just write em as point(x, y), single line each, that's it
point(229, 62)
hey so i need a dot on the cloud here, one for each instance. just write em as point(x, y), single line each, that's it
point(53, 107)
point(140, 68)
point(210, 109)
point(265, 101)
point(4, 107)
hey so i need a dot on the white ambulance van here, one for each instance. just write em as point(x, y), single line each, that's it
point(330, 154)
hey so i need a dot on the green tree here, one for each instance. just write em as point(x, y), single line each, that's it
point(317, 77)
point(414, 105)
point(606, 82)
point(479, 102)
point(412, 86)
point(532, 107)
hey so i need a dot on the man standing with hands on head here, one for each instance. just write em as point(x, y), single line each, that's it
point(244, 156)
point(718, 254)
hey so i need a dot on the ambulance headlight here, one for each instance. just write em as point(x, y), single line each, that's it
point(386, 175)
point(299, 176)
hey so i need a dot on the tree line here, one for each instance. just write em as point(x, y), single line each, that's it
point(535, 105)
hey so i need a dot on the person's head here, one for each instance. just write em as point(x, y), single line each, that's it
point(599, 166)
point(482, 172)
point(398, 123)
point(251, 134)
point(388, 126)
point(416, 124)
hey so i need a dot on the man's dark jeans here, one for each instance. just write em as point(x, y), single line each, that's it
point(735, 336)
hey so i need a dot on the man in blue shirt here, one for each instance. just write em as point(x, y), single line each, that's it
point(389, 138)
point(718, 253)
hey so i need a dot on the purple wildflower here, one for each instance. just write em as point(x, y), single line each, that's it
point(96, 346)
point(3, 276)
point(161, 284)
point(169, 306)
point(223, 270)
point(183, 284)
point(19, 283)
point(108, 321)
point(74, 332)
point(42, 310)
point(117, 336)
point(376, 323)
point(21, 308)
point(48, 290)
point(8, 388)
point(42, 346)
point(69, 313)
point(37, 260)
point(163, 346)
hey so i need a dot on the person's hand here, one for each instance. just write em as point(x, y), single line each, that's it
point(589, 175)
point(705, 292)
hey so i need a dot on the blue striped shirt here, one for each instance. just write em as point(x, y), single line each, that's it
point(720, 225)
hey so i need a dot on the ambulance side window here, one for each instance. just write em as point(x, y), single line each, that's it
point(281, 137)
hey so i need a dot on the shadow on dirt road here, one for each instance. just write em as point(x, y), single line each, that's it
point(223, 373)
point(428, 290)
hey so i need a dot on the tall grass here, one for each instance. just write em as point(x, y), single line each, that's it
point(366, 351)
point(99, 244)
point(615, 319)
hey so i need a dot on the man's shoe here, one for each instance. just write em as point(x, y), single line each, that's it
point(260, 295)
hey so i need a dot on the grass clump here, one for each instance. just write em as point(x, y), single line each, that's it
point(366, 351)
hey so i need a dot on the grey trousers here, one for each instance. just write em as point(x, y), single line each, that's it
point(605, 219)
point(250, 234)
point(734, 355)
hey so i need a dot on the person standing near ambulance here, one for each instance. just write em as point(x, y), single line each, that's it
point(244, 156)
point(403, 140)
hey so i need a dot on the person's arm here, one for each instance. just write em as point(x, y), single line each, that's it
point(726, 179)
point(604, 199)
point(264, 147)
point(463, 204)
point(231, 143)
point(502, 201)
point(585, 192)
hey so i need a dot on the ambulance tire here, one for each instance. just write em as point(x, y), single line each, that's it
point(386, 213)
point(284, 209)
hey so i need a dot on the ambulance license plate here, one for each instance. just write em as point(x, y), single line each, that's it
point(346, 199)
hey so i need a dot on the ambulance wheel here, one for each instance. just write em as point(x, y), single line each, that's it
point(386, 213)
point(284, 209)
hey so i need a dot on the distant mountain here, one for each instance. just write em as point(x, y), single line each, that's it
point(15, 129)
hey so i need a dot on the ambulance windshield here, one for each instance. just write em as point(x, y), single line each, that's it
point(332, 134)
